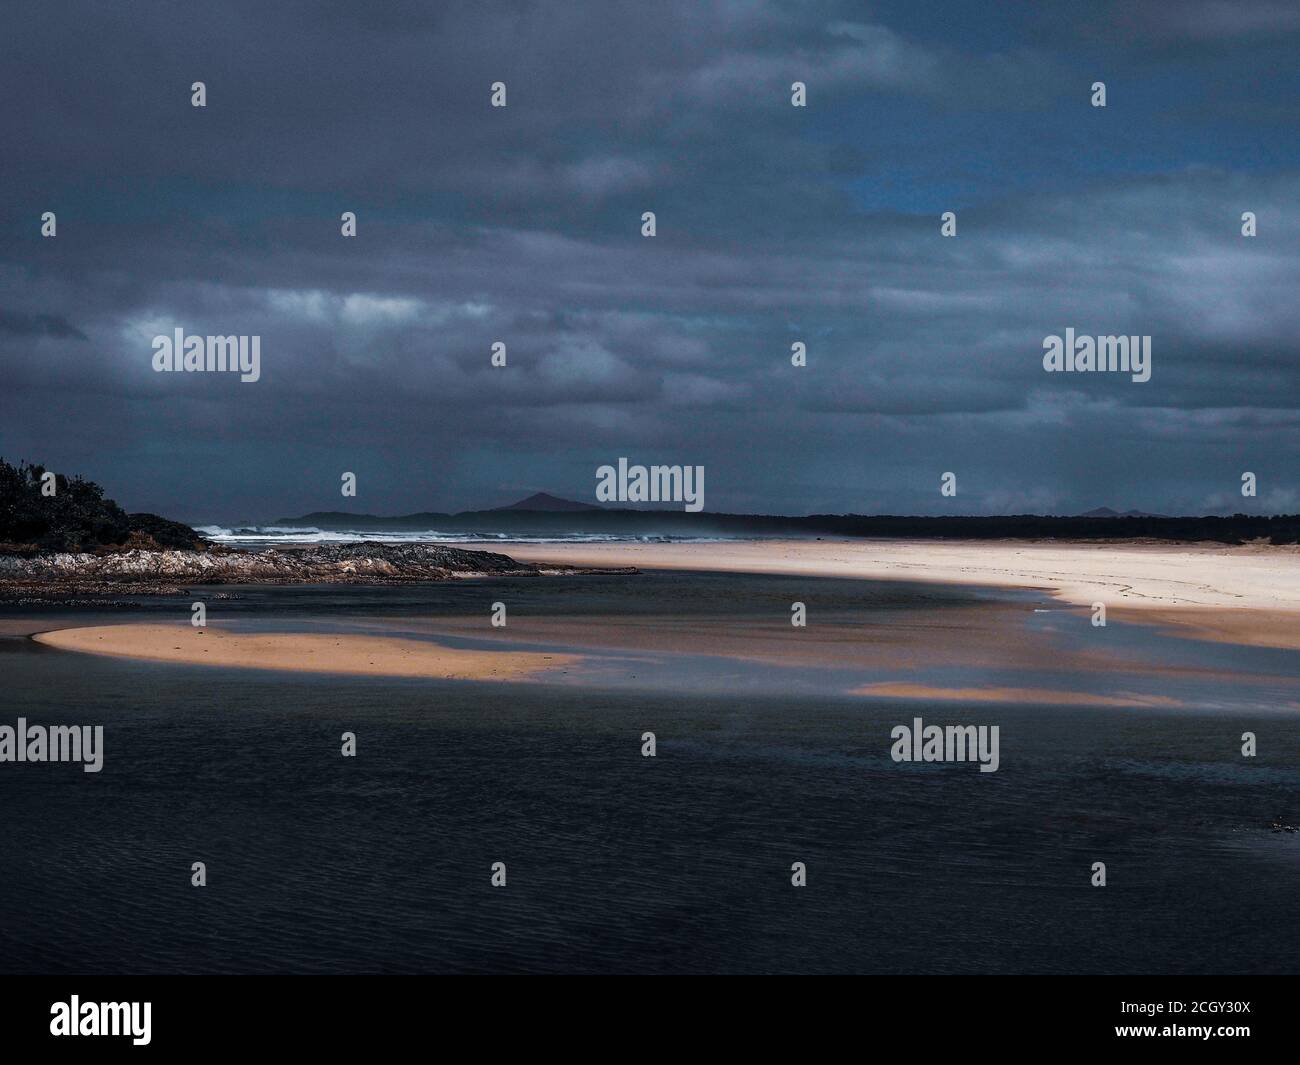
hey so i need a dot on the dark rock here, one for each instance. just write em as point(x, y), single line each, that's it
point(149, 531)
point(140, 572)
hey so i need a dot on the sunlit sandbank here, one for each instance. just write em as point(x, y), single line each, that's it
point(884, 620)
point(305, 652)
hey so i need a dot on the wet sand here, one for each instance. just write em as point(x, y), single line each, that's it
point(1242, 625)
point(991, 635)
point(932, 693)
point(305, 652)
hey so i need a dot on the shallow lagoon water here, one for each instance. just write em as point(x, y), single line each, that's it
point(680, 863)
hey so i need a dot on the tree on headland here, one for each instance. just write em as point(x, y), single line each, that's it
point(45, 511)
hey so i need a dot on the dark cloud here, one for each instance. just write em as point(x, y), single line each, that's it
point(18, 324)
point(775, 224)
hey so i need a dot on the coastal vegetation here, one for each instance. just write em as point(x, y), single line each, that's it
point(44, 511)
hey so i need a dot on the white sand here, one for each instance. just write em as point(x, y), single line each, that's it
point(1136, 575)
point(1247, 594)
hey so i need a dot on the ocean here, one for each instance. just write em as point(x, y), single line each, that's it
point(261, 537)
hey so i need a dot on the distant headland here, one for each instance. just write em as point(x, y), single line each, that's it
point(62, 536)
point(547, 515)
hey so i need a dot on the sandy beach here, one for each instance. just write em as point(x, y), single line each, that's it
point(1248, 594)
point(1243, 595)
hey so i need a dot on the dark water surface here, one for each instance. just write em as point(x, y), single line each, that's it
point(680, 863)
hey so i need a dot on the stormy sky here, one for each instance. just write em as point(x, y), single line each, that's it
point(775, 224)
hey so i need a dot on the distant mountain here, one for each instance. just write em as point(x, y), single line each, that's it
point(620, 521)
point(543, 501)
point(1106, 512)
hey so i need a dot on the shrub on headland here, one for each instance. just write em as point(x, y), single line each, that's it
point(75, 516)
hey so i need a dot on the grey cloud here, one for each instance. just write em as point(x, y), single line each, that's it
point(522, 225)
point(16, 323)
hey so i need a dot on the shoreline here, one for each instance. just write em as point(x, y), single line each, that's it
point(1245, 595)
point(140, 571)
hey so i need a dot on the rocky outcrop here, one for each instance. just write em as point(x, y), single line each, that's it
point(140, 572)
point(152, 533)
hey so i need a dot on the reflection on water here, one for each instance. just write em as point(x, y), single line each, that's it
point(677, 863)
